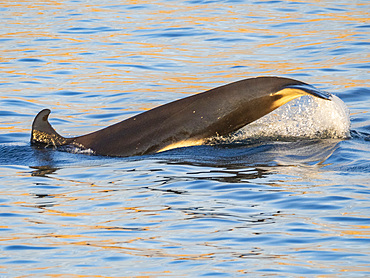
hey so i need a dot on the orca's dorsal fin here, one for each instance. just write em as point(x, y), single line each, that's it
point(44, 134)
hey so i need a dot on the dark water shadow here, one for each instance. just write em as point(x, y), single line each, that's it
point(268, 154)
point(257, 155)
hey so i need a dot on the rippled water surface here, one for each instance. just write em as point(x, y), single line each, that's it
point(268, 207)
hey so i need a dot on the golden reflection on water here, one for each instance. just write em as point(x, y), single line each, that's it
point(197, 65)
point(185, 51)
point(141, 246)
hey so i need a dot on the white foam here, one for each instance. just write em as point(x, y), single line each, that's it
point(78, 150)
point(306, 117)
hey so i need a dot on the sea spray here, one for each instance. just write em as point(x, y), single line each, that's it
point(306, 117)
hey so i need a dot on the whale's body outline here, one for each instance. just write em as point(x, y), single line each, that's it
point(184, 122)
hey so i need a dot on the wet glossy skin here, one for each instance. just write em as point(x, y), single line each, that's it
point(185, 122)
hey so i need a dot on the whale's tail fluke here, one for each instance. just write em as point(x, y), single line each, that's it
point(43, 134)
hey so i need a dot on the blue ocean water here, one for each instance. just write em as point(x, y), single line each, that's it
point(278, 206)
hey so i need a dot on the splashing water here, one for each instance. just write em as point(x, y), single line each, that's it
point(306, 117)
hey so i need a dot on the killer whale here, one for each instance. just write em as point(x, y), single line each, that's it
point(184, 122)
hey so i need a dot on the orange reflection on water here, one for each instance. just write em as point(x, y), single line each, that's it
point(174, 65)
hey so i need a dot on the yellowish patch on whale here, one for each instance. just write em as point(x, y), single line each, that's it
point(181, 144)
point(287, 95)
